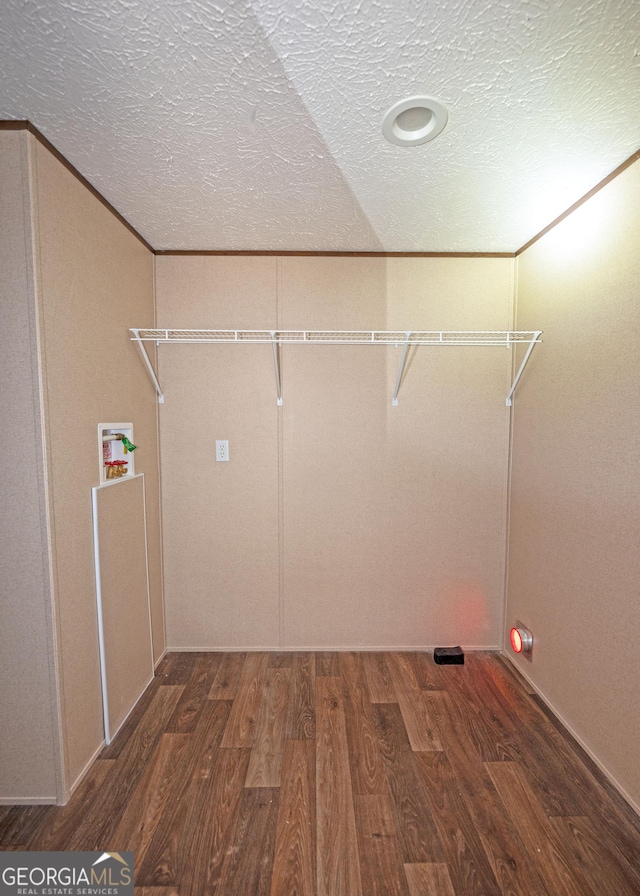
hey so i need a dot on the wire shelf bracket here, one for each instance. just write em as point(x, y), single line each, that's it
point(276, 365)
point(278, 338)
point(403, 361)
point(139, 340)
point(535, 337)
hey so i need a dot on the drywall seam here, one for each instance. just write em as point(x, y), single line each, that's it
point(48, 535)
point(159, 463)
point(605, 771)
point(510, 427)
point(163, 570)
point(511, 367)
point(280, 449)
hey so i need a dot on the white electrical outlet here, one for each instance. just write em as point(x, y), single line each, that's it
point(222, 449)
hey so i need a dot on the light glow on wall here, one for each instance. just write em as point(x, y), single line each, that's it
point(580, 232)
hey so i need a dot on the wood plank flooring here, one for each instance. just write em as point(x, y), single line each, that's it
point(345, 774)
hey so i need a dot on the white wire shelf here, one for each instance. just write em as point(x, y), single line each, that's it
point(341, 337)
point(277, 338)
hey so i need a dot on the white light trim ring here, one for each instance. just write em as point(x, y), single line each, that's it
point(415, 120)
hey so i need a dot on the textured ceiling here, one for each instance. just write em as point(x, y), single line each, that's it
point(256, 124)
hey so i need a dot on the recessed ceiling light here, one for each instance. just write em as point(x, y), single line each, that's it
point(415, 120)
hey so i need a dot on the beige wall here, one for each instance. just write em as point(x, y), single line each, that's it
point(29, 741)
point(95, 281)
point(81, 278)
point(220, 521)
point(340, 521)
point(575, 522)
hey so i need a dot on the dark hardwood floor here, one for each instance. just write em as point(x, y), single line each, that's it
point(351, 774)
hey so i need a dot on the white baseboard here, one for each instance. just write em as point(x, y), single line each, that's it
point(605, 771)
point(85, 771)
point(358, 648)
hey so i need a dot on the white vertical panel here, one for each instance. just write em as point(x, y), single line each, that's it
point(122, 588)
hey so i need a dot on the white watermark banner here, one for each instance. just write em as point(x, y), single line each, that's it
point(66, 874)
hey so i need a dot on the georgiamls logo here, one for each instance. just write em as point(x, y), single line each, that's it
point(71, 873)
